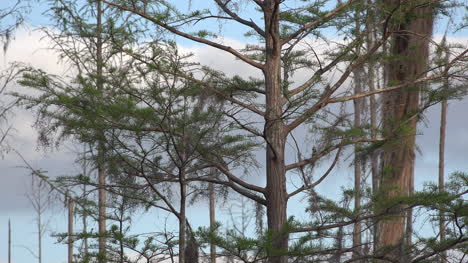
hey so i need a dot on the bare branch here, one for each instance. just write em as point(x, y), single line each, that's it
point(238, 19)
point(310, 186)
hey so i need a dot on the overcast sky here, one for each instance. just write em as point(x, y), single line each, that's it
point(14, 181)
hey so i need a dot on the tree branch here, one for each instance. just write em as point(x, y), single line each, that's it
point(186, 35)
point(238, 19)
point(318, 22)
point(310, 186)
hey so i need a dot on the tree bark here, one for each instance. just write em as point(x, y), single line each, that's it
point(276, 195)
point(70, 230)
point(443, 125)
point(212, 221)
point(191, 250)
point(410, 49)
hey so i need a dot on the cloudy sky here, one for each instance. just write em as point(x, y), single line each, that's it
point(29, 46)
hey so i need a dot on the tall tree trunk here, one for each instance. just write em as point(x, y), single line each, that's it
point(84, 216)
point(357, 231)
point(9, 241)
point(102, 213)
point(70, 230)
point(443, 124)
point(191, 250)
point(336, 257)
point(39, 230)
point(370, 38)
point(182, 219)
point(276, 195)
point(121, 231)
point(357, 235)
point(410, 51)
point(100, 163)
point(212, 221)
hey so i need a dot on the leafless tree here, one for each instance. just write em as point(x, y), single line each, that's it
point(41, 200)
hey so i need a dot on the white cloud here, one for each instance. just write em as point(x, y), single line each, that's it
point(32, 48)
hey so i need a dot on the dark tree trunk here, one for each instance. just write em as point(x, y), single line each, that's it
point(70, 230)
point(191, 251)
point(182, 219)
point(443, 124)
point(85, 216)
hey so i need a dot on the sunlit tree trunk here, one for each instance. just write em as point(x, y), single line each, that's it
point(212, 221)
point(371, 80)
point(410, 51)
point(276, 195)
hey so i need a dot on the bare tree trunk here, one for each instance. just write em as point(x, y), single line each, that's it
point(336, 258)
point(9, 241)
point(182, 219)
point(70, 230)
point(102, 214)
point(39, 230)
point(370, 38)
point(357, 231)
point(212, 221)
point(84, 216)
point(100, 163)
point(121, 231)
point(358, 107)
point(443, 125)
point(410, 46)
point(276, 195)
